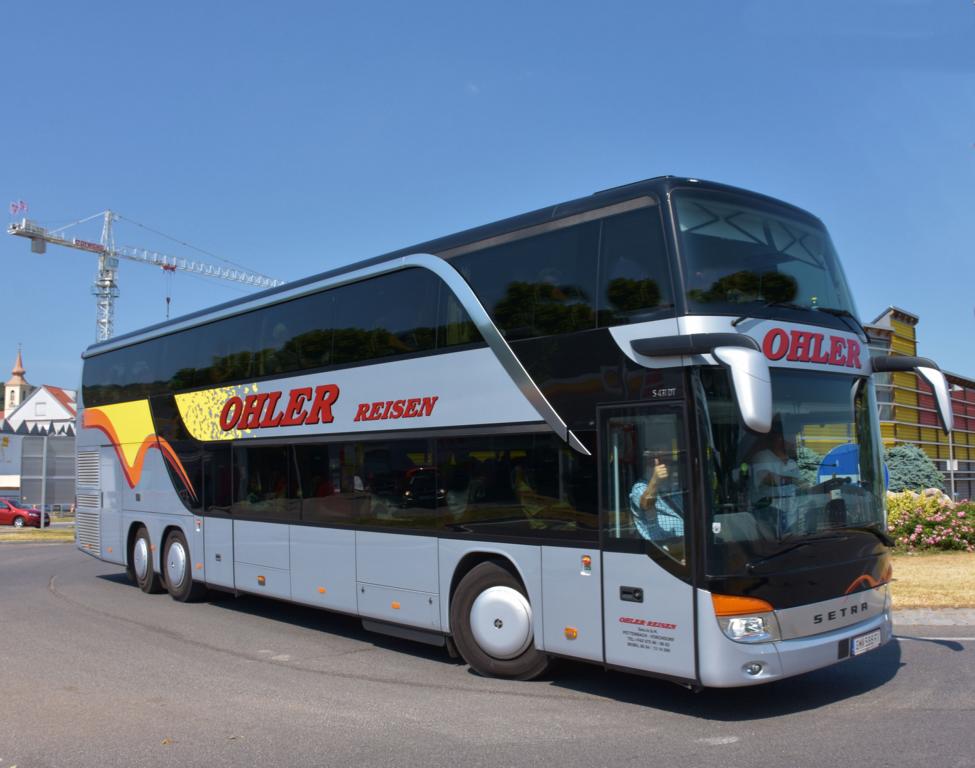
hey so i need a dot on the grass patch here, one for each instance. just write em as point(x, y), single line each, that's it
point(37, 535)
point(934, 580)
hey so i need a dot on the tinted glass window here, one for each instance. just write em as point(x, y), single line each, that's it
point(538, 285)
point(455, 327)
point(214, 353)
point(399, 478)
point(217, 480)
point(388, 315)
point(188, 478)
point(265, 486)
point(518, 485)
point(634, 276)
point(332, 488)
point(646, 479)
point(297, 334)
point(738, 252)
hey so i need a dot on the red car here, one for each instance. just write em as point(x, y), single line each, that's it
point(11, 513)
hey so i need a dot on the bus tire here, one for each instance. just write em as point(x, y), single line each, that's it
point(179, 570)
point(141, 558)
point(491, 623)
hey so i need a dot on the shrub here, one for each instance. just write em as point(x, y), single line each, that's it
point(930, 520)
point(911, 469)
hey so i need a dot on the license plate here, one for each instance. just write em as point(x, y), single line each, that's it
point(865, 643)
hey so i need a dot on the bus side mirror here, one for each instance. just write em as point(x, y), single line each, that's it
point(753, 385)
point(927, 370)
point(749, 368)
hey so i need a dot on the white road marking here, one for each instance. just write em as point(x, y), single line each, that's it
point(959, 639)
point(717, 741)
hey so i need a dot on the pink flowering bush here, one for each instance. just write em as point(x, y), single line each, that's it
point(930, 520)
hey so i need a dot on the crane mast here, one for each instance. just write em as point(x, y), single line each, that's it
point(105, 288)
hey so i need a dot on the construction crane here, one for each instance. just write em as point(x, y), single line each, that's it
point(105, 288)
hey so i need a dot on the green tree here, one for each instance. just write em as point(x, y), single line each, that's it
point(911, 469)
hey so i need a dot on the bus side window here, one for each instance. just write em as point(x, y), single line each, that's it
point(217, 480)
point(263, 484)
point(634, 277)
point(646, 480)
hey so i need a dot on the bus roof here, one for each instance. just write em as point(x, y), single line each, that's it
point(658, 186)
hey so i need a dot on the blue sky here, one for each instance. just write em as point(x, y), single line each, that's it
point(293, 137)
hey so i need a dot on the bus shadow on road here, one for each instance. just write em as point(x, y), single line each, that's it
point(327, 622)
point(807, 692)
point(792, 695)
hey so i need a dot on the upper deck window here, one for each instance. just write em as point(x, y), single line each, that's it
point(740, 256)
point(404, 312)
point(606, 270)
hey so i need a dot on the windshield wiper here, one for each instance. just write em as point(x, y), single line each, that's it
point(752, 565)
point(784, 304)
point(844, 314)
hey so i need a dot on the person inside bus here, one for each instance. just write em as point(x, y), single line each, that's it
point(657, 503)
point(774, 471)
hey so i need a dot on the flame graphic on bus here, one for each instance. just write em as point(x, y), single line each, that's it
point(866, 581)
point(129, 428)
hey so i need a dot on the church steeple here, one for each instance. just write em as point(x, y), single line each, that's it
point(17, 387)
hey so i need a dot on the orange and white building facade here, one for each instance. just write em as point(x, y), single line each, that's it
point(907, 409)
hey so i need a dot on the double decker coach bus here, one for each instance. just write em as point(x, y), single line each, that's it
point(609, 430)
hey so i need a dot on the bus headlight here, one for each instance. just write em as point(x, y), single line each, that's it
point(761, 628)
point(746, 619)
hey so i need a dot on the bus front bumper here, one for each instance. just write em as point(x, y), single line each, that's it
point(725, 663)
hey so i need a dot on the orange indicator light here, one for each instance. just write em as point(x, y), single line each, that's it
point(571, 633)
point(322, 590)
point(261, 580)
point(199, 566)
point(734, 605)
point(109, 550)
point(394, 605)
point(586, 562)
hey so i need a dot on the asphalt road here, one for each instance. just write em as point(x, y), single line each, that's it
point(95, 673)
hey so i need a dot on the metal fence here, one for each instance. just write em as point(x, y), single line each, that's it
point(47, 471)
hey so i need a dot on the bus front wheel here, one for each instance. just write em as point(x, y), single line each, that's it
point(491, 622)
point(179, 570)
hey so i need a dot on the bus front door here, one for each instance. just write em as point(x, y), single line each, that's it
point(648, 598)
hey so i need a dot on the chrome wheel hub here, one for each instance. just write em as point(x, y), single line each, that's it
point(140, 559)
point(176, 564)
point(501, 622)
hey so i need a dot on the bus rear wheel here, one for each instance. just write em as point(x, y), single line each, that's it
point(179, 571)
point(491, 621)
point(141, 558)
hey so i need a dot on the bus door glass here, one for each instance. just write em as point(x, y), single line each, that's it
point(645, 507)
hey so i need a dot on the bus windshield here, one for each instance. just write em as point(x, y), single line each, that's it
point(814, 476)
point(740, 256)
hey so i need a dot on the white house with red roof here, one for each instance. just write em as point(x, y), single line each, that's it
point(48, 409)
